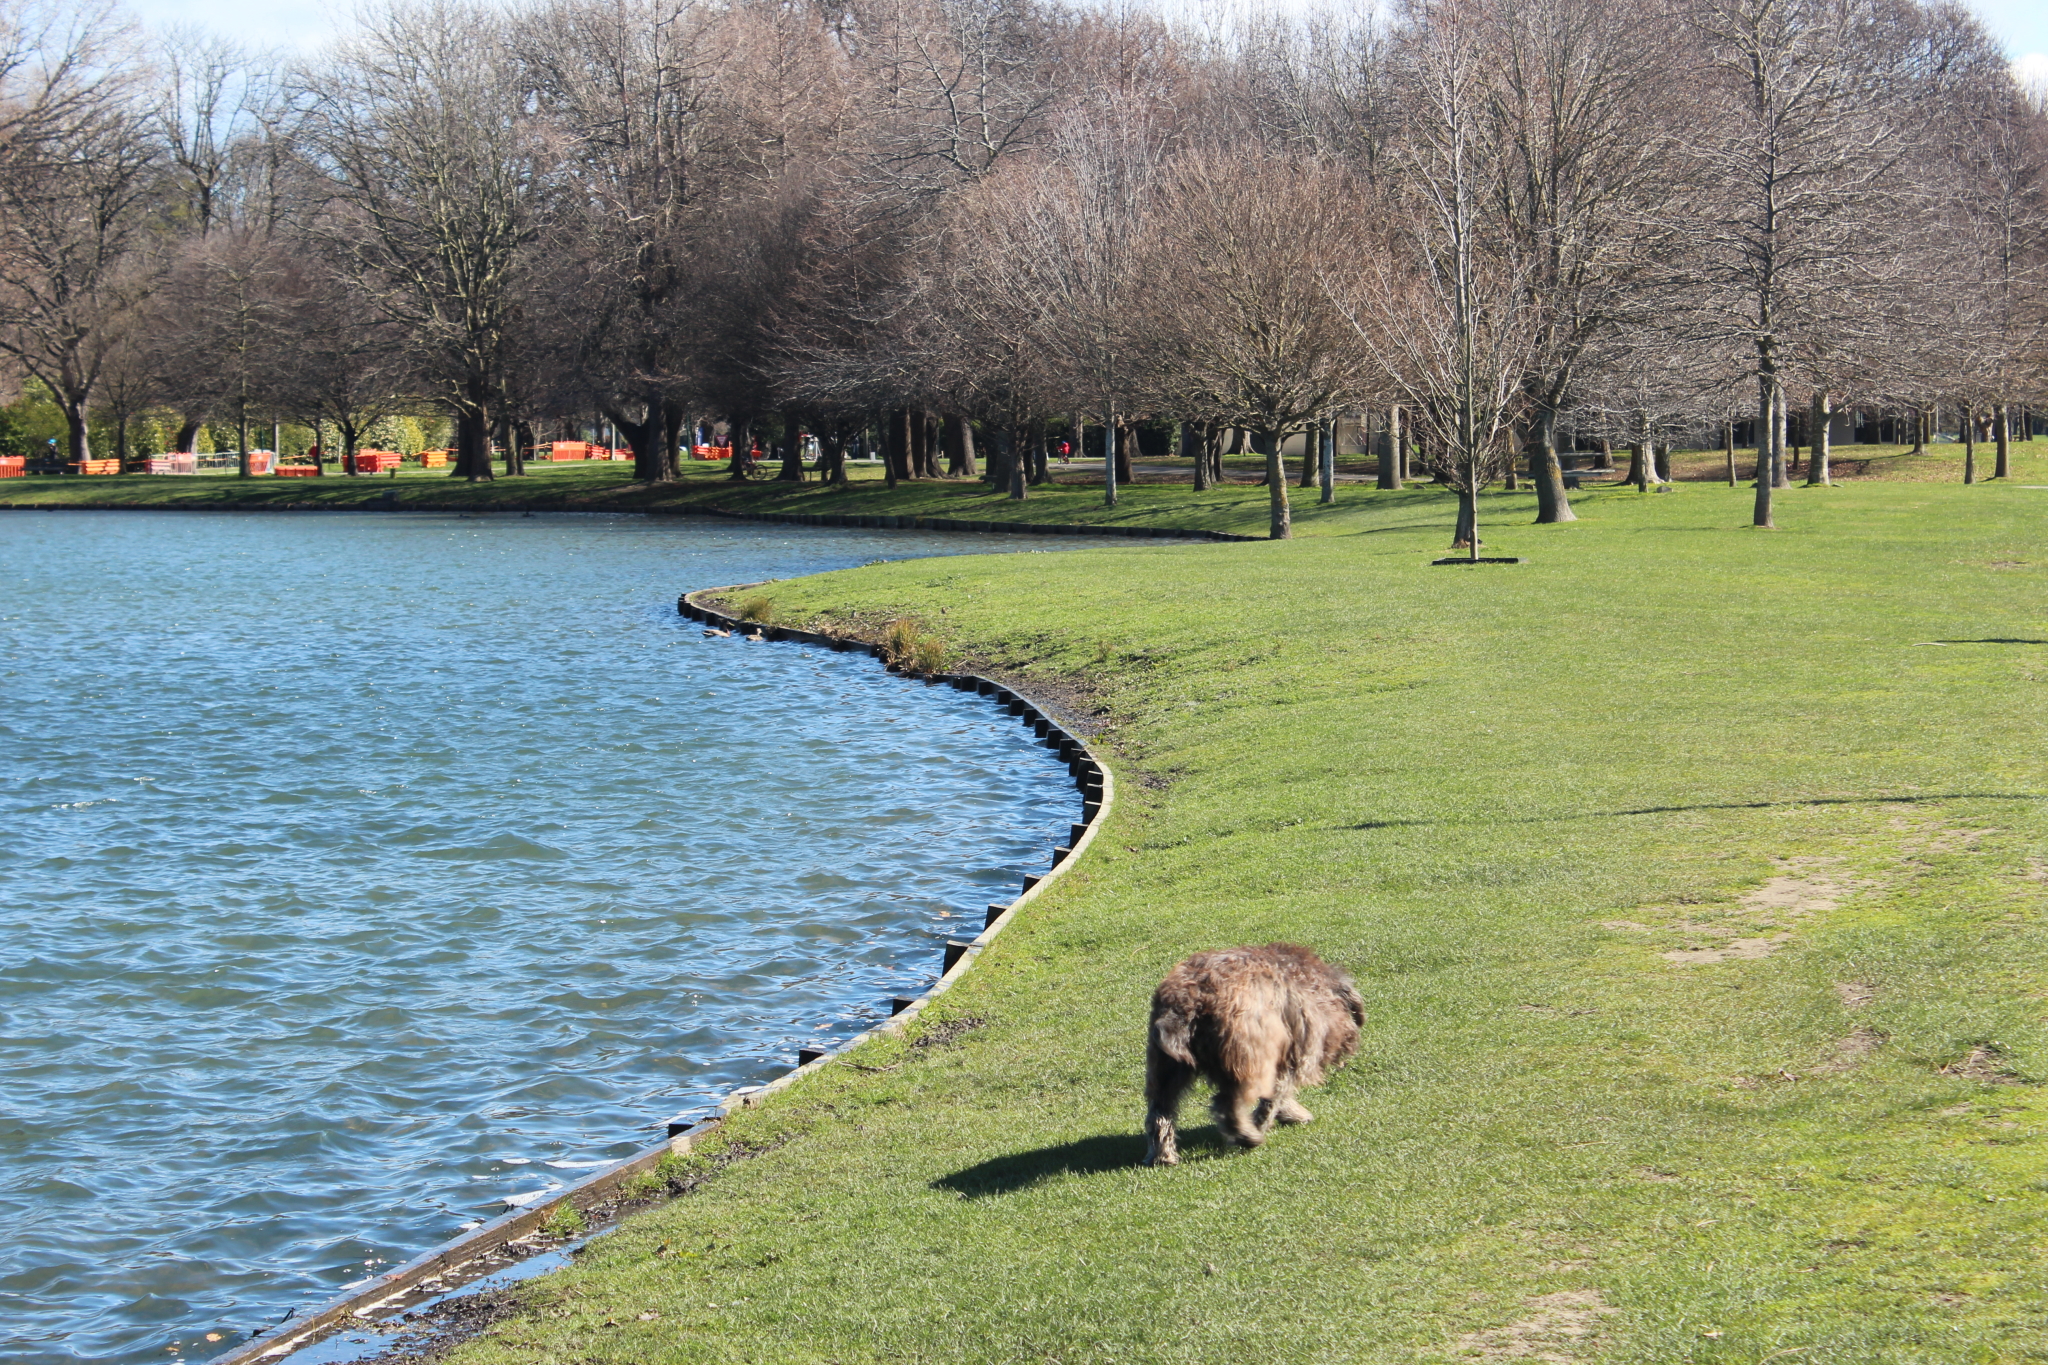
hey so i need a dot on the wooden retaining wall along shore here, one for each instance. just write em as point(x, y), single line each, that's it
point(508, 1239)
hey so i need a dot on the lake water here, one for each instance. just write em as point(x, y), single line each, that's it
point(359, 871)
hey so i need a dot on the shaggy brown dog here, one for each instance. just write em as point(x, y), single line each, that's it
point(1256, 1022)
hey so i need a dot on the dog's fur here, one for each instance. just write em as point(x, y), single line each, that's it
point(1256, 1023)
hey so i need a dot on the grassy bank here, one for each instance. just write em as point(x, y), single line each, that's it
point(1163, 497)
point(1694, 879)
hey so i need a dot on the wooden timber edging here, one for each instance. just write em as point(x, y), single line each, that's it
point(507, 1239)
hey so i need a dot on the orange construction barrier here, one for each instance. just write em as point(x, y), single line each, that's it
point(377, 461)
point(569, 450)
point(298, 471)
point(97, 466)
point(712, 452)
point(433, 459)
point(13, 466)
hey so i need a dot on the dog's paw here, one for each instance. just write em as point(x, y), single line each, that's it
point(1291, 1112)
point(1163, 1159)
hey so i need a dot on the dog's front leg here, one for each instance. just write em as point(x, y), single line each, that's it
point(1162, 1147)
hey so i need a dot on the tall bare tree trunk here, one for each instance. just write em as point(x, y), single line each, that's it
point(1766, 388)
point(2001, 432)
point(1781, 476)
point(1309, 443)
point(896, 446)
point(1819, 417)
point(1728, 446)
point(1195, 441)
point(1282, 522)
point(960, 463)
point(1390, 462)
point(1040, 474)
point(740, 433)
point(1109, 462)
point(1326, 461)
point(1605, 459)
point(1969, 425)
point(1553, 501)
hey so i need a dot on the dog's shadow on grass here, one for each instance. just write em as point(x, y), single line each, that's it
point(1088, 1156)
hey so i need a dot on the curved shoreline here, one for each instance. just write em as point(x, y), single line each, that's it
point(389, 502)
point(511, 1238)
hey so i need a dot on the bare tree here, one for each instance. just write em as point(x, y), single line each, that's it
point(440, 181)
point(1244, 304)
point(77, 166)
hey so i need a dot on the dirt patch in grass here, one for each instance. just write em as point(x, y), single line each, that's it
point(1557, 1325)
point(1986, 1065)
point(1850, 1052)
point(1736, 950)
point(948, 1030)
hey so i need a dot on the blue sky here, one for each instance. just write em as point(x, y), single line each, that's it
point(2021, 24)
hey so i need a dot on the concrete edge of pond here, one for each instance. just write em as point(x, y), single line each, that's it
point(512, 1237)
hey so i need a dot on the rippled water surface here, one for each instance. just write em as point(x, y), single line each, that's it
point(359, 871)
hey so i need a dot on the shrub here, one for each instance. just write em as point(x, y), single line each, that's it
point(757, 608)
point(928, 655)
point(565, 1221)
point(900, 639)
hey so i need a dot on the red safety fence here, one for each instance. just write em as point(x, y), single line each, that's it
point(712, 452)
point(298, 471)
point(569, 450)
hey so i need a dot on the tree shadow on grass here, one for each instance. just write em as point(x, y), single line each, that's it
point(1089, 1156)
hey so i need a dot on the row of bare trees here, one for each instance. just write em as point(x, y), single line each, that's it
point(964, 229)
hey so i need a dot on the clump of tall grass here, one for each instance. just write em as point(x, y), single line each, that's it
point(906, 645)
point(757, 608)
point(928, 655)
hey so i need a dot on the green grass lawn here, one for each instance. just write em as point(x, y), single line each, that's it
point(1237, 508)
point(1695, 880)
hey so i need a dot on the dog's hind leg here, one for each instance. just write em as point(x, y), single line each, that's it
point(1286, 1108)
point(1167, 1079)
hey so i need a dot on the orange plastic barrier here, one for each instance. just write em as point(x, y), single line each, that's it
point(13, 466)
point(433, 459)
point(176, 462)
point(569, 450)
point(712, 452)
point(262, 461)
point(97, 466)
point(377, 461)
point(298, 471)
